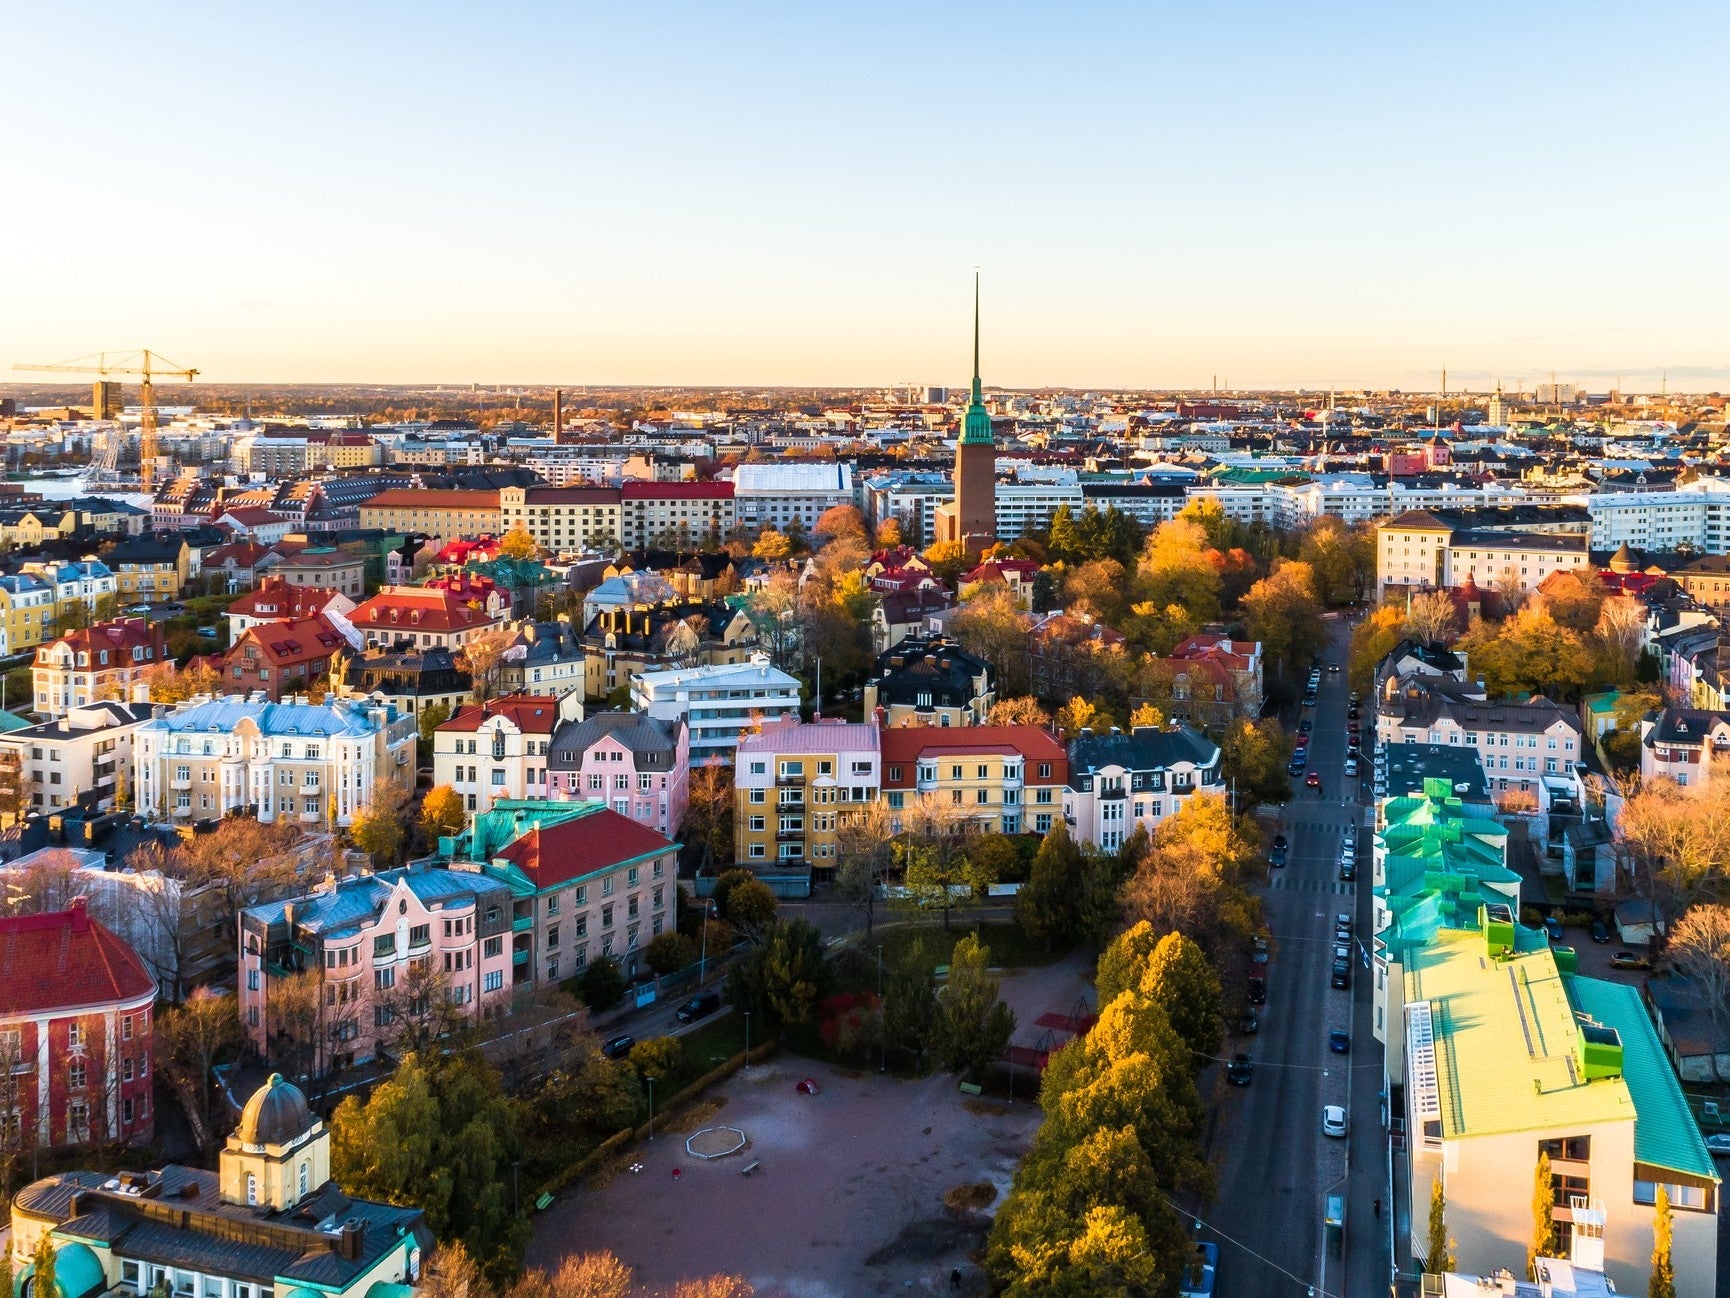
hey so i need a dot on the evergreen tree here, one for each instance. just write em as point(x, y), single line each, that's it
point(1046, 905)
point(1543, 1212)
point(42, 1279)
point(910, 1003)
point(1663, 1281)
point(973, 1025)
point(1441, 1257)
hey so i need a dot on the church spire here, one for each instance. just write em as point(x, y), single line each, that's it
point(976, 424)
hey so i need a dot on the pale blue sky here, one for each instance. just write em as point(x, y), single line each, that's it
point(1347, 194)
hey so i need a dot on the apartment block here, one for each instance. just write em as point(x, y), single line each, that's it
point(321, 763)
point(1000, 779)
point(793, 785)
point(445, 515)
point(499, 749)
point(674, 515)
point(1119, 780)
point(425, 617)
point(563, 520)
point(84, 755)
point(640, 766)
point(717, 704)
point(100, 662)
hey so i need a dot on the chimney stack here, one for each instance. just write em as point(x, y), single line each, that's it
point(558, 415)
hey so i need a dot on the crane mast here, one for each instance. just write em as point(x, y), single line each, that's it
point(148, 366)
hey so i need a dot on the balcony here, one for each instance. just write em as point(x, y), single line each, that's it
point(522, 923)
point(180, 786)
point(790, 836)
point(310, 817)
point(795, 779)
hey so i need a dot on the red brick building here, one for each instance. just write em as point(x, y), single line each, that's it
point(75, 1033)
point(281, 658)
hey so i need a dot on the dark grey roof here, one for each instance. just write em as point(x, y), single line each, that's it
point(934, 666)
point(1436, 657)
point(1146, 748)
point(276, 1114)
point(653, 742)
point(119, 714)
point(1409, 765)
point(1684, 726)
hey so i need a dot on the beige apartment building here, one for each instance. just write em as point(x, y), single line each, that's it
point(447, 515)
point(563, 519)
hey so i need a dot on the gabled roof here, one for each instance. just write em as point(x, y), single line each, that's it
point(119, 637)
point(1145, 748)
point(289, 643)
point(419, 608)
point(531, 714)
point(600, 840)
point(64, 960)
point(904, 747)
point(278, 600)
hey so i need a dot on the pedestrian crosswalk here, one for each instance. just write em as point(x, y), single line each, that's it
point(1284, 883)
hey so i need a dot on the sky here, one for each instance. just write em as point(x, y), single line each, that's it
point(1158, 195)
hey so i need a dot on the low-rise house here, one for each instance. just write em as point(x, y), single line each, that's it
point(104, 661)
point(638, 765)
point(255, 523)
point(1001, 779)
point(794, 783)
point(75, 1034)
point(1119, 780)
point(896, 617)
point(1236, 676)
point(1016, 575)
point(931, 682)
point(499, 749)
point(545, 658)
point(1683, 744)
point(238, 563)
point(717, 704)
point(268, 1221)
point(410, 680)
point(326, 567)
point(81, 757)
point(275, 600)
point(278, 659)
point(322, 763)
point(150, 569)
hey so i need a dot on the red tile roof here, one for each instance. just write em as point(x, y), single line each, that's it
point(569, 850)
point(289, 643)
point(420, 608)
point(120, 637)
point(572, 496)
point(904, 747)
point(244, 554)
point(63, 961)
point(418, 498)
point(677, 491)
point(275, 599)
point(533, 714)
point(253, 516)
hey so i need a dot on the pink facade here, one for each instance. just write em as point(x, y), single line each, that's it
point(639, 766)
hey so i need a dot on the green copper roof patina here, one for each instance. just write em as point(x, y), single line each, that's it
point(976, 424)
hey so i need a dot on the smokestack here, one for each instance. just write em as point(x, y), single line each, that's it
point(558, 415)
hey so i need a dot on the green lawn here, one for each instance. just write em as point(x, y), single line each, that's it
point(716, 1042)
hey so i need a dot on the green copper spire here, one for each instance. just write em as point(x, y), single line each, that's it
point(976, 426)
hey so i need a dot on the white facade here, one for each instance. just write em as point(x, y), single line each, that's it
point(778, 495)
point(717, 703)
point(1697, 515)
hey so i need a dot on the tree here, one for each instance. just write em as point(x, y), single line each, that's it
point(948, 560)
point(1146, 714)
point(659, 1057)
point(1663, 1281)
point(709, 812)
point(1124, 963)
point(1574, 599)
point(1621, 629)
point(431, 717)
point(1440, 1257)
point(1046, 907)
point(1080, 714)
point(1191, 879)
point(451, 1273)
point(973, 1024)
point(1529, 653)
point(910, 1002)
point(932, 870)
point(1432, 617)
point(1543, 1212)
point(839, 521)
point(750, 906)
point(991, 625)
point(1180, 980)
point(1179, 567)
point(483, 654)
point(187, 1040)
point(601, 983)
point(782, 980)
point(167, 685)
point(442, 812)
point(518, 544)
point(1023, 711)
point(297, 1026)
point(438, 1134)
point(43, 1280)
point(669, 952)
point(1699, 949)
point(1681, 836)
point(889, 533)
point(379, 830)
point(863, 840)
point(772, 545)
point(1373, 639)
point(1253, 757)
point(418, 1013)
point(1282, 612)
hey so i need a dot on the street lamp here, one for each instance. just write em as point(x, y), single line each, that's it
point(651, 1082)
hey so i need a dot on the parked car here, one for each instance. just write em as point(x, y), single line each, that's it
point(1552, 928)
point(1342, 925)
point(1352, 713)
point(1239, 1070)
point(1340, 1042)
point(1718, 1144)
point(1341, 977)
point(1342, 950)
point(1351, 766)
point(1305, 726)
point(1295, 766)
point(1600, 931)
point(1257, 994)
point(1628, 960)
point(1200, 1273)
point(618, 1047)
point(1348, 871)
point(1349, 847)
point(1276, 857)
point(1334, 1121)
point(699, 1005)
point(1248, 1023)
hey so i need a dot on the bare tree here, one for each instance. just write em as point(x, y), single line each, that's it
point(1681, 836)
point(1432, 617)
point(1621, 628)
point(483, 654)
point(48, 883)
point(416, 1013)
point(865, 836)
point(188, 1038)
point(1699, 948)
point(709, 812)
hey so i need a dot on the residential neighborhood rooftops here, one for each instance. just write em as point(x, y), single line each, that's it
point(533, 714)
point(1145, 748)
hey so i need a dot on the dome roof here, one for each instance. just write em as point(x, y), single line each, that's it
point(76, 1272)
point(1623, 560)
point(275, 1115)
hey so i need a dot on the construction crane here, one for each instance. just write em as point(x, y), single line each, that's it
point(148, 366)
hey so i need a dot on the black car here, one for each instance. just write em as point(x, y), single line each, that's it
point(1352, 715)
point(1342, 974)
point(1600, 931)
point(1249, 1023)
point(618, 1047)
point(1305, 726)
point(1257, 994)
point(1348, 871)
point(1239, 1070)
point(1279, 841)
point(1340, 1042)
point(699, 1005)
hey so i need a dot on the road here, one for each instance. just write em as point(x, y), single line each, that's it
point(1275, 1169)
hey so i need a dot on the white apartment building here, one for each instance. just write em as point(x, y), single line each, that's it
point(322, 763)
point(1697, 515)
point(498, 749)
point(717, 703)
point(1120, 780)
point(1421, 548)
point(779, 495)
point(88, 751)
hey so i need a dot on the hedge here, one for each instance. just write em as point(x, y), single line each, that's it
point(622, 1140)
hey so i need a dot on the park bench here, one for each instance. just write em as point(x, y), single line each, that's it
point(544, 1202)
point(750, 1167)
point(973, 1088)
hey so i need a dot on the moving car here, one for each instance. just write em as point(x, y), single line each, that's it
point(699, 1005)
point(1239, 1070)
point(618, 1047)
point(1314, 780)
point(1340, 1041)
point(1334, 1121)
point(1333, 669)
point(1628, 960)
point(1351, 766)
point(1341, 977)
point(1600, 931)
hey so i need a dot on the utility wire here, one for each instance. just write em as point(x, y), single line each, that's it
point(1238, 1244)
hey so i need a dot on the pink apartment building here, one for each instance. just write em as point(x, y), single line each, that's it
point(638, 765)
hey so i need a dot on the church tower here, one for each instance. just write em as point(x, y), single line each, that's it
point(972, 518)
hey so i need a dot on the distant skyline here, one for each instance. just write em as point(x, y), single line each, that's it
point(1347, 196)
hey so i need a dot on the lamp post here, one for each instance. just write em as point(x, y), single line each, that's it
point(747, 1040)
point(651, 1082)
point(703, 961)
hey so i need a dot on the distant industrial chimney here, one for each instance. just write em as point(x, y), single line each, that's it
point(558, 415)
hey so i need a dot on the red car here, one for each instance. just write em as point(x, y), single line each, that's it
point(1314, 780)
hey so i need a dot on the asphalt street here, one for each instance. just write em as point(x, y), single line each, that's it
point(1274, 1166)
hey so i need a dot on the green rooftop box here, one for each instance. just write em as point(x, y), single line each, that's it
point(1600, 1051)
point(1496, 919)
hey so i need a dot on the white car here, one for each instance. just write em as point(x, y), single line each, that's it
point(1351, 766)
point(1333, 1121)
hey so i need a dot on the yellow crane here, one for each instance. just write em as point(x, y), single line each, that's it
point(148, 366)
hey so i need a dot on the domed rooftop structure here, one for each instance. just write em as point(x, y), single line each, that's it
point(76, 1273)
point(275, 1115)
point(1623, 561)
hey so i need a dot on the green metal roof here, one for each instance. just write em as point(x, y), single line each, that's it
point(1665, 1133)
point(10, 721)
